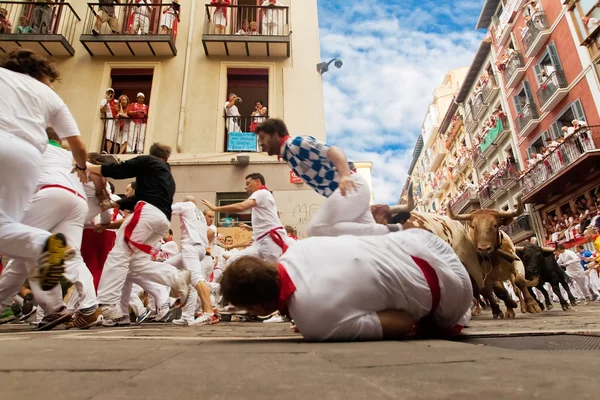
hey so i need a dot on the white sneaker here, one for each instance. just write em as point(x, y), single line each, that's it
point(274, 319)
point(112, 316)
point(205, 319)
point(163, 313)
point(122, 321)
point(181, 322)
point(183, 285)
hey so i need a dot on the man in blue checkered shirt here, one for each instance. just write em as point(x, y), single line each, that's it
point(325, 169)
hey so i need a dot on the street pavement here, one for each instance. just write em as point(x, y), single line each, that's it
point(252, 360)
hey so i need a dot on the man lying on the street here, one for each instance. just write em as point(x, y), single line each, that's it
point(358, 288)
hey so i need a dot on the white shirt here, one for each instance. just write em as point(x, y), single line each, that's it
point(29, 107)
point(56, 167)
point(107, 111)
point(342, 282)
point(264, 214)
point(231, 111)
point(213, 243)
point(570, 261)
point(193, 224)
point(270, 16)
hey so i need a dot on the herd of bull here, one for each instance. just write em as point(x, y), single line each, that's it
point(489, 255)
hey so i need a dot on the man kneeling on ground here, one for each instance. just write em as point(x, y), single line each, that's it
point(358, 288)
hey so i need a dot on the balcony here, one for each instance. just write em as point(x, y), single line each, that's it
point(124, 135)
point(239, 134)
point(470, 122)
point(133, 31)
point(479, 106)
point(478, 158)
point(445, 183)
point(463, 163)
point(552, 90)
point(465, 202)
point(250, 31)
point(44, 27)
point(489, 90)
point(520, 229)
point(514, 70)
point(527, 119)
point(436, 158)
point(494, 138)
point(571, 162)
point(536, 35)
point(498, 185)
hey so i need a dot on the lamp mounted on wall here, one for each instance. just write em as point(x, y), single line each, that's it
point(324, 66)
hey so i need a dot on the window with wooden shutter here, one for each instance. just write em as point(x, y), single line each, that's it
point(553, 53)
point(578, 113)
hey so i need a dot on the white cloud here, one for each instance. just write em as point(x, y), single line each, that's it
point(394, 56)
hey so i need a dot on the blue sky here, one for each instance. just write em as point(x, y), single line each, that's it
point(395, 53)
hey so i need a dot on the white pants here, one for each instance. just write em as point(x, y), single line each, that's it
point(123, 260)
point(136, 137)
point(157, 294)
point(264, 248)
point(582, 282)
point(55, 210)
point(141, 22)
point(191, 258)
point(349, 215)
point(19, 166)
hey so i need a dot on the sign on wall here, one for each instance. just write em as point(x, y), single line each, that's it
point(294, 178)
point(242, 141)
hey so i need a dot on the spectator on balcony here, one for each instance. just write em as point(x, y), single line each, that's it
point(108, 108)
point(124, 123)
point(5, 24)
point(495, 169)
point(271, 17)
point(244, 29)
point(170, 19)
point(106, 14)
point(259, 115)
point(138, 112)
point(232, 114)
point(24, 27)
point(253, 29)
point(590, 23)
point(551, 144)
point(220, 15)
point(139, 21)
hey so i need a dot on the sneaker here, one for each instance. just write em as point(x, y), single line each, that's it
point(85, 321)
point(53, 320)
point(95, 32)
point(52, 261)
point(25, 317)
point(28, 306)
point(274, 319)
point(143, 316)
point(181, 322)
point(205, 319)
point(183, 286)
point(163, 314)
point(121, 321)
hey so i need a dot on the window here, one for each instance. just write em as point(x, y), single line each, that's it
point(548, 64)
point(231, 219)
point(571, 112)
point(504, 207)
point(252, 86)
point(124, 113)
point(537, 146)
point(523, 98)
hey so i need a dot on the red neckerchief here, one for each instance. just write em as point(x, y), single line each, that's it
point(294, 237)
point(262, 187)
point(286, 288)
point(281, 143)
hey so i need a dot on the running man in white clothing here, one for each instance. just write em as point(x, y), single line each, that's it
point(325, 169)
point(195, 237)
point(29, 105)
point(270, 239)
point(372, 288)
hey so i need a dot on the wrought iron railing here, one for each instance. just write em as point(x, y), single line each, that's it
point(478, 103)
point(514, 63)
point(535, 25)
point(556, 80)
point(132, 19)
point(528, 112)
point(39, 18)
point(499, 182)
point(461, 201)
point(240, 20)
point(519, 225)
point(574, 147)
point(124, 135)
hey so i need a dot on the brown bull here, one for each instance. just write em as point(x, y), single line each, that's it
point(498, 256)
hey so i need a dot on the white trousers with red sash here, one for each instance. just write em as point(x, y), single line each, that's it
point(148, 225)
point(53, 209)
point(269, 246)
point(347, 215)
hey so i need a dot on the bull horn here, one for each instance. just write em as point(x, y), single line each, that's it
point(512, 214)
point(459, 217)
point(519, 248)
point(548, 249)
point(410, 202)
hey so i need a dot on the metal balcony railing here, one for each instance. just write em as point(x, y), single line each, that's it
point(519, 225)
point(461, 201)
point(528, 112)
point(499, 182)
point(514, 63)
point(478, 104)
point(124, 135)
point(535, 25)
point(228, 19)
point(555, 81)
point(574, 147)
point(132, 19)
point(39, 18)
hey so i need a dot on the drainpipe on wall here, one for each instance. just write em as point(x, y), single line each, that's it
point(186, 72)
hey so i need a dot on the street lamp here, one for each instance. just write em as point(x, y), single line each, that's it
point(324, 66)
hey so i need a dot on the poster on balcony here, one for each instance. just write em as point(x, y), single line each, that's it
point(242, 141)
point(294, 178)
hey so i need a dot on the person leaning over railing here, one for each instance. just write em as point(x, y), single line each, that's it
point(106, 14)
